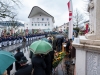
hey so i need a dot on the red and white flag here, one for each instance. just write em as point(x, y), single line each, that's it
point(70, 8)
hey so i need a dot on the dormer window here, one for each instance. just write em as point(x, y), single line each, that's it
point(42, 19)
point(37, 18)
point(47, 19)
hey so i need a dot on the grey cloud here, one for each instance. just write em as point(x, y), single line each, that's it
point(57, 8)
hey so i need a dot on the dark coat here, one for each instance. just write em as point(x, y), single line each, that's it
point(9, 69)
point(54, 44)
point(67, 46)
point(47, 59)
point(59, 44)
point(73, 52)
point(52, 57)
point(18, 57)
point(31, 55)
point(38, 65)
point(24, 70)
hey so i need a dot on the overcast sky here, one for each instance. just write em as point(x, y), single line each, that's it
point(57, 8)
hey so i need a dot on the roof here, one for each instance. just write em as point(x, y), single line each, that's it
point(9, 23)
point(64, 24)
point(86, 21)
point(36, 10)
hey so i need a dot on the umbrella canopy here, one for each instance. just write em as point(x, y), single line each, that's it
point(45, 39)
point(6, 59)
point(59, 36)
point(40, 47)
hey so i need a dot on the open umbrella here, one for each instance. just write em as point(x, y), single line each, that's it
point(59, 36)
point(6, 59)
point(40, 47)
point(45, 39)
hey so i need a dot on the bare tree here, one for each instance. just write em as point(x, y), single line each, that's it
point(78, 18)
point(14, 21)
point(7, 7)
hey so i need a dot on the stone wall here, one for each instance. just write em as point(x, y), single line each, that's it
point(87, 59)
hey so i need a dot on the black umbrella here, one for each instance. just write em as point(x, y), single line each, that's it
point(59, 36)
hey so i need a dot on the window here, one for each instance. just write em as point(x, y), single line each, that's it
point(47, 19)
point(45, 24)
point(42, 19)
point(42, 24)
point(35, 24)
point(32, 24)
point(48, 24)
point(37, 18)
point(38, 24)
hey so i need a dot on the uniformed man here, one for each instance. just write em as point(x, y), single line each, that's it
point(9, 38)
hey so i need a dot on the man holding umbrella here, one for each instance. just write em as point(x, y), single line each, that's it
point(39, 65)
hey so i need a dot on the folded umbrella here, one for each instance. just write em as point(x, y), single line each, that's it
point(40, 47)
point(6, 59)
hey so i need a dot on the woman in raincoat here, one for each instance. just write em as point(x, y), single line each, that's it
point(38, 65)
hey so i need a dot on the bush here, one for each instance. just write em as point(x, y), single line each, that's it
point(77, 29)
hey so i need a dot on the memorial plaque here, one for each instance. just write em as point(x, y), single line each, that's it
point(92, 63)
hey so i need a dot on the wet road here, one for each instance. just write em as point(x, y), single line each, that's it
point(24, 48)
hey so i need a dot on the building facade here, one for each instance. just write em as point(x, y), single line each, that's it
point(40, 19)
point(63, 27)
point(9, 26)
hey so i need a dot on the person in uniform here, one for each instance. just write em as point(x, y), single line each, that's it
point(9, 40)
point(5, 41)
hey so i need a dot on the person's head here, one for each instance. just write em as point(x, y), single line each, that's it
point(18, 49)
point(23, 61)
point(70, 40)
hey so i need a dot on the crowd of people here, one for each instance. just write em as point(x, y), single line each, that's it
point(11, 40)
point(41, 64)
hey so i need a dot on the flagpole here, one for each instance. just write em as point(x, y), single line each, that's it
point(70, 7)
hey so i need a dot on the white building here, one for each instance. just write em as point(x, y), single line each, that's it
point(63, 27)
point(40, 19)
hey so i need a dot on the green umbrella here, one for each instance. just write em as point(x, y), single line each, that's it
point(40, 47)
point(6, 59)
point(45, 39)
